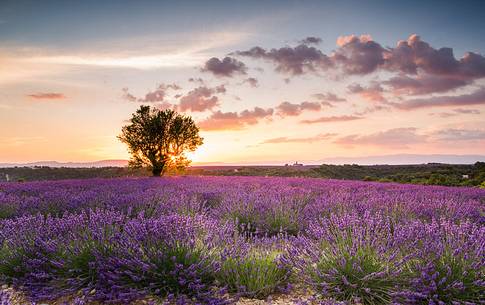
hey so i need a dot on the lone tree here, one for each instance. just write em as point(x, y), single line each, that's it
point(159, 139)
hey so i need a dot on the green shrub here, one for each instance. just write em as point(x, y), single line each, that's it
point(360, 274)
point(11, 262)
point(448, 279)
point(282, 221)
point(254, 275)
point(7, 211)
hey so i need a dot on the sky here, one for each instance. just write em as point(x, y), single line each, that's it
point(266, 81)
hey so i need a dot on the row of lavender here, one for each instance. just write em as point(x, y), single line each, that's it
point(199, 238)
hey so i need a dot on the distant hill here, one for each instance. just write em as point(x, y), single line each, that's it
point(102, 163)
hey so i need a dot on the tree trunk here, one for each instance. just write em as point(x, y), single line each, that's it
point(157, 171)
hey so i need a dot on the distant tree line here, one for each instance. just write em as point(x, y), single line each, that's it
point(37, 173)
point(428, 174)
point(432, 173)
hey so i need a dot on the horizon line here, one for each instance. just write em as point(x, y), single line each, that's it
point(392, 159)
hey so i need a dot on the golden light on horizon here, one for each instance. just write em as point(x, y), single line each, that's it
point(201, 154)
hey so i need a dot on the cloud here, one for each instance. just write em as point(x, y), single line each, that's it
point(425, 84)
point(456, 112)
point(159, 94)
point(253, 82)
point(197, 80)
point(414, 54)
point(47, 96)
point(374, 92)
point(184, 50)
point(372, 109)
point(467, 111)
point(311, 40)
point(201, 99)
point(226, 67)
point(291, 60)
point(432, 70)
point(396, 138)
point(329, 97)
point(438, 70)
point(289, 109)
point(452, 135)
point(330, 119)
point(358, 55)
point(252, 116)
point(443, 114)
point(156, 96)
point(475, 98)
point(220, 89)
point(128, 96)
point(317, 138)
point(406, 137)
point(232, 120)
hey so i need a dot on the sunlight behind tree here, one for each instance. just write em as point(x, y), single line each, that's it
point(159, 139)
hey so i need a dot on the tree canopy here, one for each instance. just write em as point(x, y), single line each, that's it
point(159, 139)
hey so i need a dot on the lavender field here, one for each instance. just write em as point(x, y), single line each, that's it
point(212, 240)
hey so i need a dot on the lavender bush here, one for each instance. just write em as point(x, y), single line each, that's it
point(5, 298)
point(351, 258)
point(192, 239)
point(254, 268)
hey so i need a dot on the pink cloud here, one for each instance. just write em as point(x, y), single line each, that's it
point(414, 54)
point(329, 97)
point(435, 70)
point(317, 138)
point(358, 55)
point(424, 84)
point(330, 119)
point(232, 120)
point(407, 137)
point(396, 138)
point(289, 109)
point(156, 96)
point(456, 112)
point(47, 96)
point(201, 99)
point(253, 82)
point(475, 98)
point(453, 134)
point(374, 92)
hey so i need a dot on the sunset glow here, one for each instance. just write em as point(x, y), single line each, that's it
point(270, 82)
